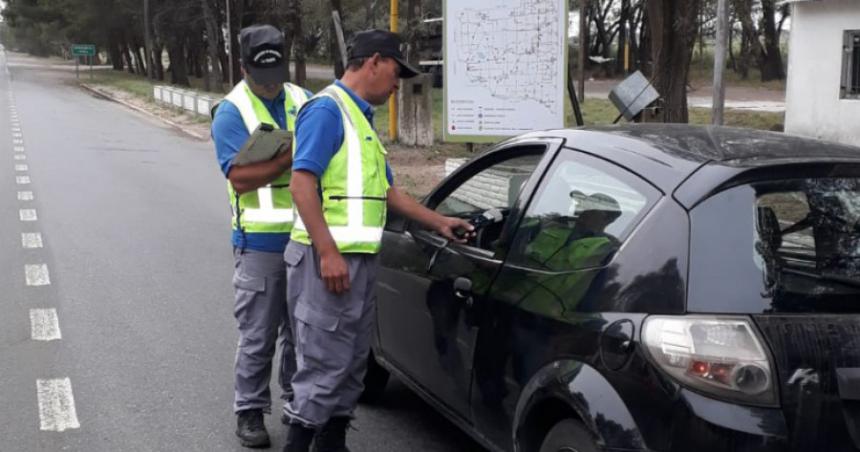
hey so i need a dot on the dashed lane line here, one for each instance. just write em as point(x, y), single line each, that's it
point(44, 325)
point(25, 196)
point(22, 167)
point(56, 405)
point(31, 240)
point(37, 275)
point(27, 215)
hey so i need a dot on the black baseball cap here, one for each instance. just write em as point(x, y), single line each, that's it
point(366, 43)
point(263, 54)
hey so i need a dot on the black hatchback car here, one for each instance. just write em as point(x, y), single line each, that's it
point(648, 287)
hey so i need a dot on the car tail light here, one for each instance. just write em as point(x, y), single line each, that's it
point(721, 356)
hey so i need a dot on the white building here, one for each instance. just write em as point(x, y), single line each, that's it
point(823, 88)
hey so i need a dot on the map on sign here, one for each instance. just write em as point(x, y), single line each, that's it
point(504, 67)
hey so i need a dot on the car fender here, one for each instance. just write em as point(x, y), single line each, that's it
point(587, 393)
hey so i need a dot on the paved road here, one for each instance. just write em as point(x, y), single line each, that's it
point(128, 286)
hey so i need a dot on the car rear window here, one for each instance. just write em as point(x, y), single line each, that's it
point(787, 245)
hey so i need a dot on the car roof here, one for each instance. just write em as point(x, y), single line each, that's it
point(667, 154)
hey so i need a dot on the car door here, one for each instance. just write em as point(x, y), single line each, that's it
point(429, 289)
point(546, 301)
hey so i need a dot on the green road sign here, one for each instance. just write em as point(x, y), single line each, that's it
point(83, 50)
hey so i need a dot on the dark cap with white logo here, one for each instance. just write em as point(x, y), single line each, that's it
point(263, 54)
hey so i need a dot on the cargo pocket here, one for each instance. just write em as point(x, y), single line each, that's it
point(249, 283)
point(293, 256)
point(316, 336)
point(248, 289)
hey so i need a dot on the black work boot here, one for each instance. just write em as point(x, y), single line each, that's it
point(251, 430)
point(299, 438)
point(332, 437)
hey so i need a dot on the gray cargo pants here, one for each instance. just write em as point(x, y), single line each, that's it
point(259, 282)
point(332, 333)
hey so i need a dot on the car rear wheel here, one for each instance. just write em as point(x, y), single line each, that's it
point(375, 380)
point(568, 435)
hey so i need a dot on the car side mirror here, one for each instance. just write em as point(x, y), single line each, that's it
point(395, 222)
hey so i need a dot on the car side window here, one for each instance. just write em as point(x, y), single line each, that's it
point(580, 215)
point(494, 187)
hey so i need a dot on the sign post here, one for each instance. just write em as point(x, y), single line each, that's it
point(85, 50)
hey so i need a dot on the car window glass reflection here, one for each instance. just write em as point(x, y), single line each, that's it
point(577, 219)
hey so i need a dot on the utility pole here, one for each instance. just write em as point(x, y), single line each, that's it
point(147, 41)
point(720, 63)
point(229, 42)
point(583, 46)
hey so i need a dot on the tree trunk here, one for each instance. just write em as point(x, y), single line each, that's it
point(301, 74)
point(289, 33)
point(141, 61)
point(178, 67)
point(771, 61)
point(750, 46)
point(333, 46)
point(213, 33)
point(644, 50)
point(147, 39)
point(673, 28)
point(158, 64)
point(115, 55)
point(236, 20)
point(126, 56)
point(731, 30)
point(225, 62)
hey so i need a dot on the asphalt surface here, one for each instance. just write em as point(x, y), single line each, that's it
point(134, 223)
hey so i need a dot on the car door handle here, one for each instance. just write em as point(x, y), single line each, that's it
point(463, 289)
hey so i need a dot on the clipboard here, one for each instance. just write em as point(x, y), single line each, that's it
point(264, 144)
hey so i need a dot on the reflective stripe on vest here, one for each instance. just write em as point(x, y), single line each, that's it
point(270, 208)
point(354, 213)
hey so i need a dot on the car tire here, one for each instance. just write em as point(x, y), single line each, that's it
point(375, 380)
point(568, 435)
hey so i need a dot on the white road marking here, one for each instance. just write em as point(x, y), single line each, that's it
point(16, 129)
point(27, 214)
point(37, 275)
point(20, 157)
point(44, 325)
point(56, 405)
point(17, 134)
point(18, 148)
point(31, 240)
point(19, 142)
point(22, 180)
point(25, 196)
point(21, 168)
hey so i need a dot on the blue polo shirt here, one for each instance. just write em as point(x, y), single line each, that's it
point(229, 134)
point(319, 133)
